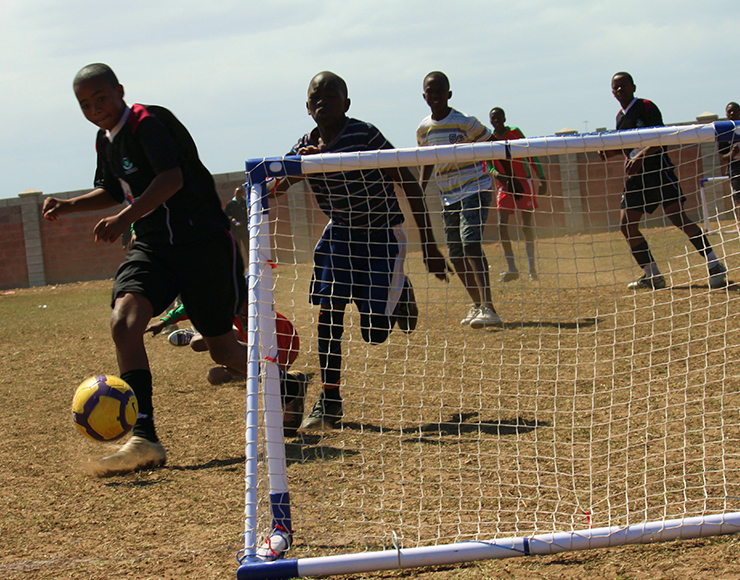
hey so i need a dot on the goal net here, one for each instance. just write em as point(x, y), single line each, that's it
point(595, 415)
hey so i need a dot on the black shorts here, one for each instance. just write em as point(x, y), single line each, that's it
point(645, 192)
point(208, 276)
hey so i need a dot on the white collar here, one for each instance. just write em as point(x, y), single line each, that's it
point(629, 106)
point(113, 132)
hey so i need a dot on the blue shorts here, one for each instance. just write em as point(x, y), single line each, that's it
point(359, 265)
point(464, 223)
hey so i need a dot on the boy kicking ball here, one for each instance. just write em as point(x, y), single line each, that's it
point(148, 162)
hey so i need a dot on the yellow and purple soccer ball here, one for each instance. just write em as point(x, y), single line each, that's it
point(104, 408)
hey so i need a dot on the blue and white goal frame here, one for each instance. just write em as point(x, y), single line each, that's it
point(262, 367)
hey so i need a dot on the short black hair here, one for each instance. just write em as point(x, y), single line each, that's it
point(435, 74)
point(624, 74)
point(334, 76)
point(96, 70)
point(497, 109)
point(732, 104)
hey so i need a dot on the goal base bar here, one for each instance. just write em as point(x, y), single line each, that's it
point(541, 545)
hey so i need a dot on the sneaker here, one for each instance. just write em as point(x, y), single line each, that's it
point(181, 337)
point(326, 413)
point(407, 312)
point(717, 276)
point(533, 277)
point(293, 401)
point(648, 283)
point(472, 313)
point(509, 276)
point(275, 545)
point(486, 317)
point(138, 453)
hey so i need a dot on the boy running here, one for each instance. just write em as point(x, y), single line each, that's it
point(149, 161)
point(651, 182)
point(730, 156)
point(466, 196)
point(507, 202)
point(360, 256)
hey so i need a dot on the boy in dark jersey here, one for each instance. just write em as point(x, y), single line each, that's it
point(147, 160)
point(360, 254)
point(507, 202)
point(729, 153)
point(651, 181)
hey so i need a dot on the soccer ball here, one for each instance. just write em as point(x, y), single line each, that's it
point(104, 408)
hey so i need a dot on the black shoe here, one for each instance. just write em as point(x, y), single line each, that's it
point(407, 312)
point(326, 414)
point(293, 400)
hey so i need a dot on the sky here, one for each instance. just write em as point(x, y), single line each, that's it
point(235, 72)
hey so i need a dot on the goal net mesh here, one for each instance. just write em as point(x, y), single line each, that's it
point(593, 406)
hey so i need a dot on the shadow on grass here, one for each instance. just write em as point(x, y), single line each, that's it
point(574, 325)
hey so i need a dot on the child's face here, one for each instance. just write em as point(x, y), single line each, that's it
point(733, 113)
point(623, 89)
point(498, 120)
point(436, 93)
point(327, 100)
point(101, 103)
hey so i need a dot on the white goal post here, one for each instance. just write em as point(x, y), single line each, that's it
point(596, 417)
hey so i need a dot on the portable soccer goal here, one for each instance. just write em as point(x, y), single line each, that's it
point(595, 416)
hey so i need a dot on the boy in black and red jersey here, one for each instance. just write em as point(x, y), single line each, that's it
point(651, 181)
point(148, 160)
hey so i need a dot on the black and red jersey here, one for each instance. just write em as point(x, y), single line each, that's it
point(149, 141)
point(639, 114)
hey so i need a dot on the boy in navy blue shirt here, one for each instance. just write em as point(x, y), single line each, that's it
point(148, 161)
point(361, 252)
point(651, 182)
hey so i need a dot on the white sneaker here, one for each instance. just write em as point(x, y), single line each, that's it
point(275, 545)
point(181, 337)
point(486, 317)
point(472, 313)
point(138, 453)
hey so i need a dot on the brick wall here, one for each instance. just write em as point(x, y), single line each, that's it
point(583, 195)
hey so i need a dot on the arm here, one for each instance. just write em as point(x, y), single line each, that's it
point(426, 175)
point(433, 258)
point(633, 166)
point(729, 154)
point(95, 200)
point(162, 187)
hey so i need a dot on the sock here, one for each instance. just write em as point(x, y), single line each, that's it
point(331, 393)
point(702, 246)
point(643, 257)
point(140, 381)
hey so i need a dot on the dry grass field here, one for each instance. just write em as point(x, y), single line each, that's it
point(592, 406)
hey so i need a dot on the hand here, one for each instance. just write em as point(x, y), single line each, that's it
point(602, 155)
point(110, 229)
point(435, 262)
point(308, 150)
point(633, 166)
point(155, 328)
point(53, 208)
point(542, 190)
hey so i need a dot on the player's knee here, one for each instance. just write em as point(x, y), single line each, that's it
point(375, 329)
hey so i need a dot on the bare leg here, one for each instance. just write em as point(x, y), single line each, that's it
point(467, 277)
point(529, 241)
point(503, 229)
